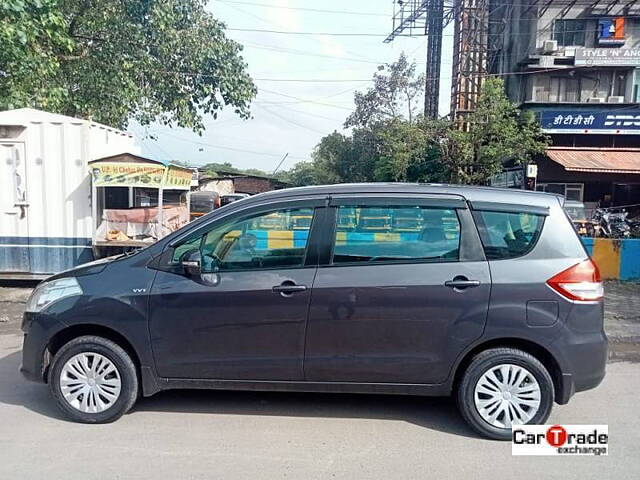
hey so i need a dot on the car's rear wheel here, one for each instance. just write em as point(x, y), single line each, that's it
point(505, 387)
point(93, 380)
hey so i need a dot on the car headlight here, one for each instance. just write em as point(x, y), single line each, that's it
point(49, 292)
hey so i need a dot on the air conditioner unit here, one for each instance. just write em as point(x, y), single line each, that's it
point(595, 100)
point(547, 62)
point(550, 46)
point(616, 99)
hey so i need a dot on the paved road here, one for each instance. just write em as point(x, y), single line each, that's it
point(233, 435)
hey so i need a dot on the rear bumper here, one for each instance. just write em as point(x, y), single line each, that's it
point(583, 360)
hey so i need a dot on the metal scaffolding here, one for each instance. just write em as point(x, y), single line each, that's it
point(425, 18)
point(479, 39)
point(470, 51)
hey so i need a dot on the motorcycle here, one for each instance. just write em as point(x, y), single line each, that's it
point(612, 224)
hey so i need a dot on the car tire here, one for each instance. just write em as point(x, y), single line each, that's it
point(93, 380)
point(525, 398)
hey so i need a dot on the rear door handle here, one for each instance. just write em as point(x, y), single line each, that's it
point(459, 283)
point(288, 288)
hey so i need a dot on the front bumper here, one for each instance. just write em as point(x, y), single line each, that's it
point(38, 331)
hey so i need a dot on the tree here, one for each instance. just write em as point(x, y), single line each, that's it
point(410, 152)
point(394, 95)
point(498, 132)
point(212, 169)
point(149, 60)
point(342, 158)
point(388, 145)
point(302, 174)
point(32, 37)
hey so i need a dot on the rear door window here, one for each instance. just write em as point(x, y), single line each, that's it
point(395, 234)
point(508, 235)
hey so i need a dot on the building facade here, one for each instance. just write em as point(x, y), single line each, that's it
point(576, 65)
point(227, 183)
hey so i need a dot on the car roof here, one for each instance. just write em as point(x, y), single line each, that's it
point(470, 193)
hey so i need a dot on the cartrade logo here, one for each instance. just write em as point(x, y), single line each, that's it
point(560, 440)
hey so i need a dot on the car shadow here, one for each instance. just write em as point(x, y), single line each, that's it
point(433, 413)
point(16, 390)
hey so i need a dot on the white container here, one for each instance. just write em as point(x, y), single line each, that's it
point(45, 189)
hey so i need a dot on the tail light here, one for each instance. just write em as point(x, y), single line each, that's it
point(581, 282)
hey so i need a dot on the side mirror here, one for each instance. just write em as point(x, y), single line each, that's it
point(191, 261)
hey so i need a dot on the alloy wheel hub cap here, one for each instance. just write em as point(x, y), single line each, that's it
point(507, 395)
point(90, 382)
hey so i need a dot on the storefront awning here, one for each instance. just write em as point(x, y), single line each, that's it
point(597, 160)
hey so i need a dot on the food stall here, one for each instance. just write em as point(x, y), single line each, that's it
point(136, 201)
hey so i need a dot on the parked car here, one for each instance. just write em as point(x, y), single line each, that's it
point(227, 199)
point(502, 310)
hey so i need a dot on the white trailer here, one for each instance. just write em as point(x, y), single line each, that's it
point(46, 222)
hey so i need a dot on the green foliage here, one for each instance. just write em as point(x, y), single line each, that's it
point(32, 37)
point(302, 174)
point(499, 131)
point(395, 95)
point(212, 169)
point(118, 60)
point(386, 146)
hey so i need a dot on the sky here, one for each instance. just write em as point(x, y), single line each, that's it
point(306, 83)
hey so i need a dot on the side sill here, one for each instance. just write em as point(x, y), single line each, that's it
point(431, 390)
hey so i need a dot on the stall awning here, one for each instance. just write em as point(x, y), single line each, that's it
point(597, 160)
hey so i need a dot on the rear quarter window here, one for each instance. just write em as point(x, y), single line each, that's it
point(508, 235)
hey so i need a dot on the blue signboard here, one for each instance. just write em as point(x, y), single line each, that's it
point(617, 121)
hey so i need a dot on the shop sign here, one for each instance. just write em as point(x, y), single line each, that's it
point(178, 178)
point(115, 174)
point(607, 57)
point(619, 121)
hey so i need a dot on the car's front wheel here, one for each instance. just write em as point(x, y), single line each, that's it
point(93, 380)
point(505, 387)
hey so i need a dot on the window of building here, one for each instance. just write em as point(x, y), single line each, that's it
point(508, 235)
point(571, 191)
point(565, 89)
point(396, 234)
point(570, 33)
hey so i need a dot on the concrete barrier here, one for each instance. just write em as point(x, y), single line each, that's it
point(617, 259)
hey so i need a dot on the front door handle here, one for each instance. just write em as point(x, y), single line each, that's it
point(461, 283)
point(288, 288)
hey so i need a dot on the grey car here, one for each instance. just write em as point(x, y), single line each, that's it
point(483, 294)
